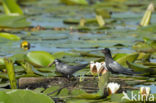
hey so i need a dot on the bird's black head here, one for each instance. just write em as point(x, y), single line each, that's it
point(106, 51)
point(56, 61)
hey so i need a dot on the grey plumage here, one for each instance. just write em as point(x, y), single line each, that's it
point(65, 69)
point(113, 66)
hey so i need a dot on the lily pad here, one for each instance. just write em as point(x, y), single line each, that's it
point(13, 21)
point(23, 96)
point(129, 58)
point(9, 36)
point(104, 13)
point(50, 91)
point(11, 7)
point(75, 2)
point(40, 58)
point(142, 68)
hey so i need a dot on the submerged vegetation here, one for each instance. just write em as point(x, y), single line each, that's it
point(33, 33)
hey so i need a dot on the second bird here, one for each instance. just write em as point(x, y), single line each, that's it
point(113, 66)
point(67, 70)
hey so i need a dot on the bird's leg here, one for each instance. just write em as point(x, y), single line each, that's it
point(69, 77)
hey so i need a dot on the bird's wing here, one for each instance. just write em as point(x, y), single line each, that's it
point(77, 67)
point(116, 67)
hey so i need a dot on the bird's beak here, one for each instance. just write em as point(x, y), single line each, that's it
point(103, 51)
point(51, 64)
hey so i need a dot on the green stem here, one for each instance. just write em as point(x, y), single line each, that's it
point(11, 73)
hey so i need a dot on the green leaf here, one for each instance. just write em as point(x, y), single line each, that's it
point(51, 89)
point(44, 74)
point(18, 58)
point(144, 56)
point(2, 61)
point(40, 58)
point(88, 96)
point(9, 36)
point(102, 83)
point(103, 12)
point(130, 58)
point(11, 73)
point(2, 64)
point(38, 90)
point(76, 92)
point(13, 21)
point(116, 97)
point(62, 54)
point(119, 55)
point(11, 7)
point(141, 46)
point(141, 68)
point(75, 2)
point(23, 96)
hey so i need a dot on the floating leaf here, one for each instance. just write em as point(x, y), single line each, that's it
point(104, 13)
point(76, 21)
point(11, 8)
point(62, 54)
point(51, 90)
point(28, 68)
point(9, 36)
point(24, 96)
point(76, 92)
point(147, 29)
point(150, 64)
point(116, 97)
point(38, 90)
point(145, 46)
point(119, 55)
point(40, 58)
point(144, 56)
point(129, 58)
point(143, 69)
point(44, 74)
point(13, 21)
point(4, 84)
point(18, 58)
point(88, 96)
point(74, 2)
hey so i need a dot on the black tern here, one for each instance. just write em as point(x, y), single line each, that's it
point(113, 66)
point(66, 70)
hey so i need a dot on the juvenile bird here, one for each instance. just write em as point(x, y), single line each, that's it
point(113, 66)
point(66, 70)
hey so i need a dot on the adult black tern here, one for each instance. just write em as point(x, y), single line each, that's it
point(113, 66)
point(66, 70)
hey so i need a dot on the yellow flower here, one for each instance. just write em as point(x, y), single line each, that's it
point(25, 45)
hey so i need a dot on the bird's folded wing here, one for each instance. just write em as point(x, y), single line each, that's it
point(116, 67)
